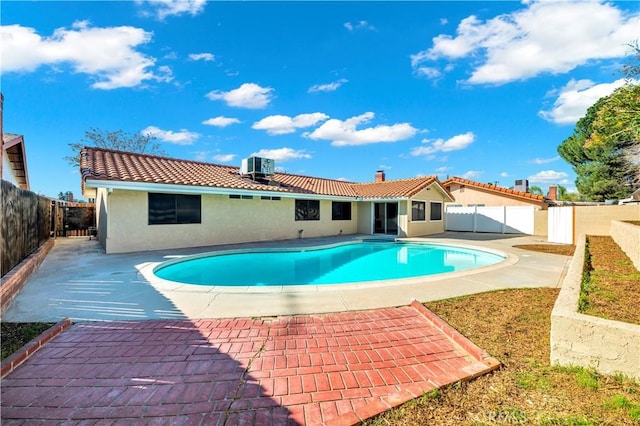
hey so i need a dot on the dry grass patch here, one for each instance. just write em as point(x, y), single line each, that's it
point(563, 249)
point(612, 290)
point(513, 326)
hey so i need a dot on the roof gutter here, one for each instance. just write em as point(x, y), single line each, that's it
point(209, 190)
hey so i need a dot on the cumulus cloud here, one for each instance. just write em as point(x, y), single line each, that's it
point(429, 72)
point(472, 174)
point(248, 95)
point(549, 176)
point(454, 143)
point(360, 25)
point(182, 137)
point(164, 8)
point(221, 121)
point(202, 57)
point(575, 98)
point(535, 40)
point(328, 87)
point(282, 154)
point(224, 158)
point(282, 124)
point(107, 54)
point(343, 133)
point(544, 160)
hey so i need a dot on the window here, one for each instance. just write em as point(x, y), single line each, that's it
point(475, 205)
point(174, 209)
point(267, 197)
point(436, 211)
point(307, 210)
point(418, 209)
point(341, 210)
point(238, 196)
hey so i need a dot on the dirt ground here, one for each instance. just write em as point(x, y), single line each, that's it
point(513, 326)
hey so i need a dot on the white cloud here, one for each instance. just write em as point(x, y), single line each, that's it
point(329, 87)
point(248, 95)
point(202, 57)
point(360, 25)
point(343, 133)
point(282, 124)
point(544, 37)
point(442, 169)
point(282, 154)
point(163, 8)
point(429, 72)
point(504, 174)
point(183, 137)
point(544, 160)
point(575, 98)
point(472, 174)
point(549, 176)
point(224, 158)
point(221, 121)
point(441, 145)
point(107, 54)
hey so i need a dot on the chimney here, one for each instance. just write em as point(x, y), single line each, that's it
point(553, 192)
point(380, 176)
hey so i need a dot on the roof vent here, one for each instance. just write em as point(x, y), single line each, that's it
point(257, 167)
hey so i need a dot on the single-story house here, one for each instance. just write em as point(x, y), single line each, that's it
point(146, 202)
point(468, 193)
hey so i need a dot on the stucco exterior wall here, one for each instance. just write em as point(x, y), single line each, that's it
point(426, 227)
point(223, 221)
point(596, 220)
point(627, 236)
point(541, 223)
point(365, 218)
point(466, 195)
point(102, 221)
point(576, 339)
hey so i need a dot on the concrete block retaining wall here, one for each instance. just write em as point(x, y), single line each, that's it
point(627, 236)
point(583, 340)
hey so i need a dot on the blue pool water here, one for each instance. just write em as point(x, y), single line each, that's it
point(355, 262)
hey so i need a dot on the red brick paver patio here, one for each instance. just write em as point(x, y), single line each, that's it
point(329, 369)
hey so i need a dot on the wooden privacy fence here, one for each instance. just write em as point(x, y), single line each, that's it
point(27, 220)
point(25, 223)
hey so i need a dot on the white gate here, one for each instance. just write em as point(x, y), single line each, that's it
point(560, 225)
point(501, 219)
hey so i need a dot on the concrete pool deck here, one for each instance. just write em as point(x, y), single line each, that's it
point(79, 281)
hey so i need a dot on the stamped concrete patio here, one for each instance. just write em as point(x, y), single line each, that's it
point(294, 367)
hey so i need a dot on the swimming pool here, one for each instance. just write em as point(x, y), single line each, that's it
point(347, 263)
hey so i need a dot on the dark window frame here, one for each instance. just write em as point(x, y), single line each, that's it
point(417, 214)
point(307, 210)
point(341, 210)
point(439, 217)
point(173, 209)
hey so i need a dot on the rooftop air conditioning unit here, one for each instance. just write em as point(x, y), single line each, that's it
point(257, 166)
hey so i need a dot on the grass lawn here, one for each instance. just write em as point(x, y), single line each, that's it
point(514, 326)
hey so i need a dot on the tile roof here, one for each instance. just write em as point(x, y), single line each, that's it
point(495, 189)
point(119, 166)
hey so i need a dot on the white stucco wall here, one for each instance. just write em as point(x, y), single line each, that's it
point(426, 227)
point(224, 221)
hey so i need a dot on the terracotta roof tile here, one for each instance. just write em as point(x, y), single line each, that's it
point(109, 165)
point(493, 188)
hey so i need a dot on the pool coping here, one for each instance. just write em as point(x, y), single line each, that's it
point(148, 271)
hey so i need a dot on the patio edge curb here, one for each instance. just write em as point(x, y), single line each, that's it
point(14, 360)
point(471, 348)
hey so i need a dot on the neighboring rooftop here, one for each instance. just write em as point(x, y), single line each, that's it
point(99, 164)
point(14, 152)
point(494, 189)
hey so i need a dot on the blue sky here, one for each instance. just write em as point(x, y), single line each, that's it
point(481, 90)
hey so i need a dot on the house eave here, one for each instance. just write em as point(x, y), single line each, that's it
point(190, 189)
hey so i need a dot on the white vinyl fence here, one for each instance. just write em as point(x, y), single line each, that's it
point(560, 225)
point(501, 219)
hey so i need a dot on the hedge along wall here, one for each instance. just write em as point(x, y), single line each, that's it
point(25, 223)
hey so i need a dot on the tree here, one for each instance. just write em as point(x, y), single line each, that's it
point(536, 190)
point(117, 140)
point(604, 149)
